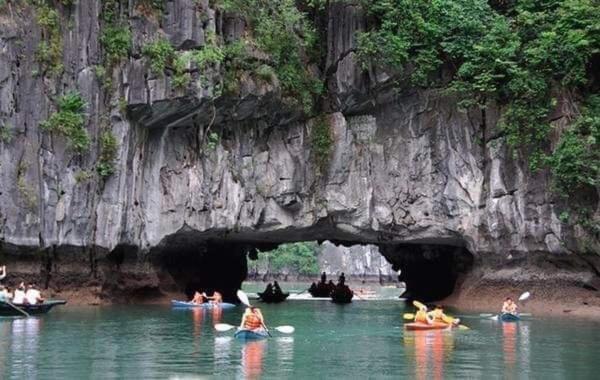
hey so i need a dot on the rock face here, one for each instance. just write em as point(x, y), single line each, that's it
point(405, 166)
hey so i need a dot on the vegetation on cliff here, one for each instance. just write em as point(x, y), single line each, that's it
point(300, 258)
point(526, 56)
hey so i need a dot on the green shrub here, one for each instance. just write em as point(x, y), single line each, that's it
point(108, 151)
point(321, 142)
point(49, 50)
point(160, 53)
point(300, 258)
point(6, 133)
point(116, 41)
point(69, 121)
point(575, 163)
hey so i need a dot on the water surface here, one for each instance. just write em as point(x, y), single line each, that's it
point(360, 340)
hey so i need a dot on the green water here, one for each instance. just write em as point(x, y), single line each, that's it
point(360, 340)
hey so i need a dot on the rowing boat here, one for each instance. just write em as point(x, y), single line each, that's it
point(206, 305)
point(273, 297)
point(419, 326)
point(7, 310)
point(245, 334)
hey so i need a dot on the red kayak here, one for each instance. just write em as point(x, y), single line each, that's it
point(418, 326)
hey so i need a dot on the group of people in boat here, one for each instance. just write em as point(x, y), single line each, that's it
point(325, 289)
point(200, 298)
point(23, 295)
point(273, 289)
point(436, 315)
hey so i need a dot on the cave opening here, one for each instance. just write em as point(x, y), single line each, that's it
point(430, 272)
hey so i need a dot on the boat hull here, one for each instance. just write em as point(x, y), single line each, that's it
point(508, 317)
point(8, 311)
point(417, 326)
point(250, 334)
point(271, 298)
point(189, 305)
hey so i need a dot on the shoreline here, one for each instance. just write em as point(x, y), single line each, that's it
point(547, 301)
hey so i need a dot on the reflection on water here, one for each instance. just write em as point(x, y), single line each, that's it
point(360, 340)
point(24, 346)
point(429, 349)
point(252, 358)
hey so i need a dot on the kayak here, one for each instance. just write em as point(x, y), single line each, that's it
point(418, 326)
point(244, 334)
point(509, 317)
point(185, 304)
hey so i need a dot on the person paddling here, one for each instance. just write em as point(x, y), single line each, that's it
point(509, 307)
point(252, 319)
point(216, 298)
point(437, 315)
point(421, 316)
point(2, 272)
point(198, 298)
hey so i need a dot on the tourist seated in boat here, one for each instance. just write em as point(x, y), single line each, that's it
point(342, 279)
point(19, 296)
point(323, 278)
point(4, 294)
point(252, 319)
point(509, 307)
point(2, 272)
point(277, 289)
point(198, 298)
point(216, 297)
point(269, 289)
point(313, 288)
point(33, 295)
point(421, 316)
point(437, 315)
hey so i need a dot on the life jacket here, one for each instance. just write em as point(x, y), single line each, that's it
point(252, 322)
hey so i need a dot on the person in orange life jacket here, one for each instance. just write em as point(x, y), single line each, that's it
point(252, 319)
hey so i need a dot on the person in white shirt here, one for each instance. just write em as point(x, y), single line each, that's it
point(2, 272)
point(19, 294)
point(33, 296)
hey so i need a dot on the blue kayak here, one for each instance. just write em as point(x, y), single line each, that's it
point(185, 304)
point(251, 334)
point(508, 317)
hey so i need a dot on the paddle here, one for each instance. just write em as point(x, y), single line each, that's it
point(222, 327)
point(17, 308)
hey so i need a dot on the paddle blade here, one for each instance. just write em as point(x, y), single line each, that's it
point(408, 316)
point(463, 327)
point(524, 296)
point(285, 329)
point(486, 315)
point(243, 297)
point(419, 305)
point(223, 327)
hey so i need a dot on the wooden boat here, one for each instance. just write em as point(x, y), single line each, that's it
point(419, 326)
point(7, 310)
point(509, 317)
point(273, 297)
point(244, 334)
point(342, 295)
point(206, 305)
point(321, 290)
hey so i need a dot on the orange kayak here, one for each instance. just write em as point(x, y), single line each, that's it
point(418, 326)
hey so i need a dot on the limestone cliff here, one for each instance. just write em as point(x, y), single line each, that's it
point(196, 168)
